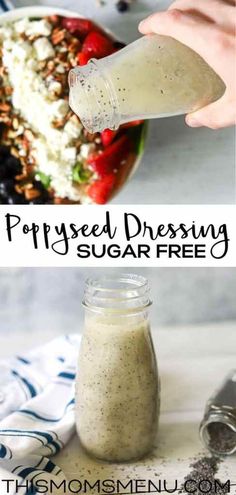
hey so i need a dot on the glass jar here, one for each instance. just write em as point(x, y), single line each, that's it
point(117, 388)
point(156, 76)
point(218, 427)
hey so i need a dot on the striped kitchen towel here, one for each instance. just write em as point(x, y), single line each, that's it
point(5, 5)
point(37, 408)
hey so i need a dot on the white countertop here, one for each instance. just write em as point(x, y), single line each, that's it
point(192, 363)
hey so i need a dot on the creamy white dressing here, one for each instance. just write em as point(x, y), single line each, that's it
point(117, 394)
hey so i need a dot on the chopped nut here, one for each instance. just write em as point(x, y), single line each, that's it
point(5, 120)
point(61, 57)
point(15, 152)
point(15, 123)
point(51, 65)
point(8, 90)
point(33, 37)
point(18, 187)
point(13, 134)
point(41, 65)
point(58, 35)
point(62, 201)
point(74, 46)
point(5, 107)
point(31, 193)
point(73, 62)
point(29, 135)
point(2, 71)
point(58, 123)
point(53, 19)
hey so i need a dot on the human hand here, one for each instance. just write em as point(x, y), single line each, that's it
point(208, 27)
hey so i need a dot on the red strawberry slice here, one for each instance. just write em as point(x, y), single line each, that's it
point(110, 159)
point(100, 191)
point(134, 123)
point(78, 27)
point(83, 58)
point(97, 45)
point(107, 136)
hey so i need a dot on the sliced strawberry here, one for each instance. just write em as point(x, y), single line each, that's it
point(110, 159)
point(83, 58)
point(134, 123)
point(107, 136)
point(100, 191)
point(97, 45)
point(78, 27)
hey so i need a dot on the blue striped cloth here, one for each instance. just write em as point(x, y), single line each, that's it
point(5, 5)
point(37, 408)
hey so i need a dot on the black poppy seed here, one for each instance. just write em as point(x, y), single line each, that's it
point(202, 477)
point(222, 438)
point(122, 6)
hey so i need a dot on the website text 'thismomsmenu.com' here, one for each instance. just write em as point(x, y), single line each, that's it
point(121, 487)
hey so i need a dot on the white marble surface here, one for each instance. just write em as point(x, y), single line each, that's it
point(193, 360)
point(180, 165)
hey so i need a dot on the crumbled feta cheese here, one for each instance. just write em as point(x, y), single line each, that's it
point(20, 51)
point(69, 155)
point(60, 69)
point(32, 64)
point(73, 128)
point(43, 48)
point(59, 109)
point(21, 25)
point(54, 87)
point(53, 149)
point(58, 168)
point(38, 28)
point(5, 33)
point(8, 44)
point(86, 149)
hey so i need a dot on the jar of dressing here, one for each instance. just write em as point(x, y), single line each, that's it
point(155, 76)
point(117, 387)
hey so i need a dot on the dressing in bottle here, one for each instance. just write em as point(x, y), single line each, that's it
point(156, 76)
point(117, 386)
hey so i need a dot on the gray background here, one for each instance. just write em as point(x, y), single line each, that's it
point(181, 165)
point(42, 299)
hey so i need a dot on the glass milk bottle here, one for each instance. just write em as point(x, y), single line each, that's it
point(156, 76)
point(117, 388)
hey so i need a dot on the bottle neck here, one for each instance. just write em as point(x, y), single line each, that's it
point(127, 295)
point(218, 432)
point(93, 95)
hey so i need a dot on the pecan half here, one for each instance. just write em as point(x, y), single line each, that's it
point(58, 35)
